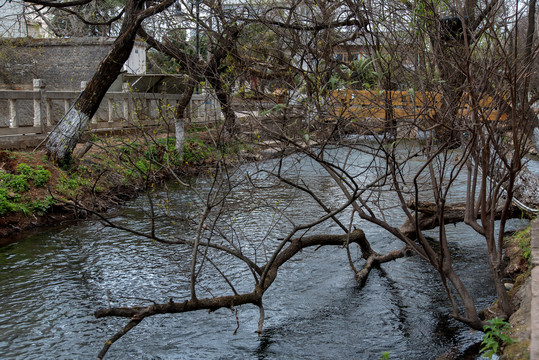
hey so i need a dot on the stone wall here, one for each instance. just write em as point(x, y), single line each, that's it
point(61, 63)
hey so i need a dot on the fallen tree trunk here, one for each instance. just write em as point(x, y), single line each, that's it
point(427, 217)
point(137, 313)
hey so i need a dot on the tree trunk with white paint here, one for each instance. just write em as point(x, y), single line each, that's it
point(66, 135)
point(180, 136)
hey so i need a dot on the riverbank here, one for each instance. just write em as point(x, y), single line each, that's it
point(523, 252)
point(35, 192)
point(518, 269)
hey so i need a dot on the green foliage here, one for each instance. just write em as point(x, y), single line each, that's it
point(495, 337)
point(40, 206)
point(385, 356)
point(13, 187)
point(363, 75)
point(72, 185)
point(143, 166)
point(18, 183)
point(196, 151)
point(41, 176)
point(523, 239)
point(160, 63)
point(5, 203)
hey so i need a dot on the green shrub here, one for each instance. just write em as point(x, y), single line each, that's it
point(143, 166)
point(25, 170)
point(523, 237)
point(196, 151)
point(5, 178)
point(39, 176)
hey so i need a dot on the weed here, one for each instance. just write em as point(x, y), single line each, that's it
point(19, 183)
point(72, 185)
point(523, 238)
point(40, 206)
point(25, 170)
point(495, 337)
point(196, 151)
point(143, 166)
point(5, 204)
point(41, 176)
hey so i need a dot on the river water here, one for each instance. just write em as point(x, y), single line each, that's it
point(52, 281)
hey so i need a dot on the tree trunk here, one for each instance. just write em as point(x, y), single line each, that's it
point(180, 136)
point(64, 137)
point(180, 115)
point(224, 101)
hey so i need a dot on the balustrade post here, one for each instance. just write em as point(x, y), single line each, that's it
point(67, 105)
point(126, 102)
point(13, 120)
point(110, 104)
point(40, 100)
point(48, 114)
point(83, 85)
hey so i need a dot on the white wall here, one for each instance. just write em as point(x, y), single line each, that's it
point(136, 64)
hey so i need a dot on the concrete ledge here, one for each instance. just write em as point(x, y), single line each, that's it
point(534, 340)
point(20, 142)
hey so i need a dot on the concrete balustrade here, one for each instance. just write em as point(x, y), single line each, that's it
point(31, 114)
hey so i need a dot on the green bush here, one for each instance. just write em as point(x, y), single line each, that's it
point(523, 238)
point(25, 170)
point(196, 151)
point(143, 166)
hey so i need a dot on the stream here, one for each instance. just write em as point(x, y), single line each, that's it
point(53, 280)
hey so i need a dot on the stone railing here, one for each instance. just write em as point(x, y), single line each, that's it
point(37, 111)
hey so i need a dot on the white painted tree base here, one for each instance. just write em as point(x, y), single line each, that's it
point(65, 136)
point(180, 136)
